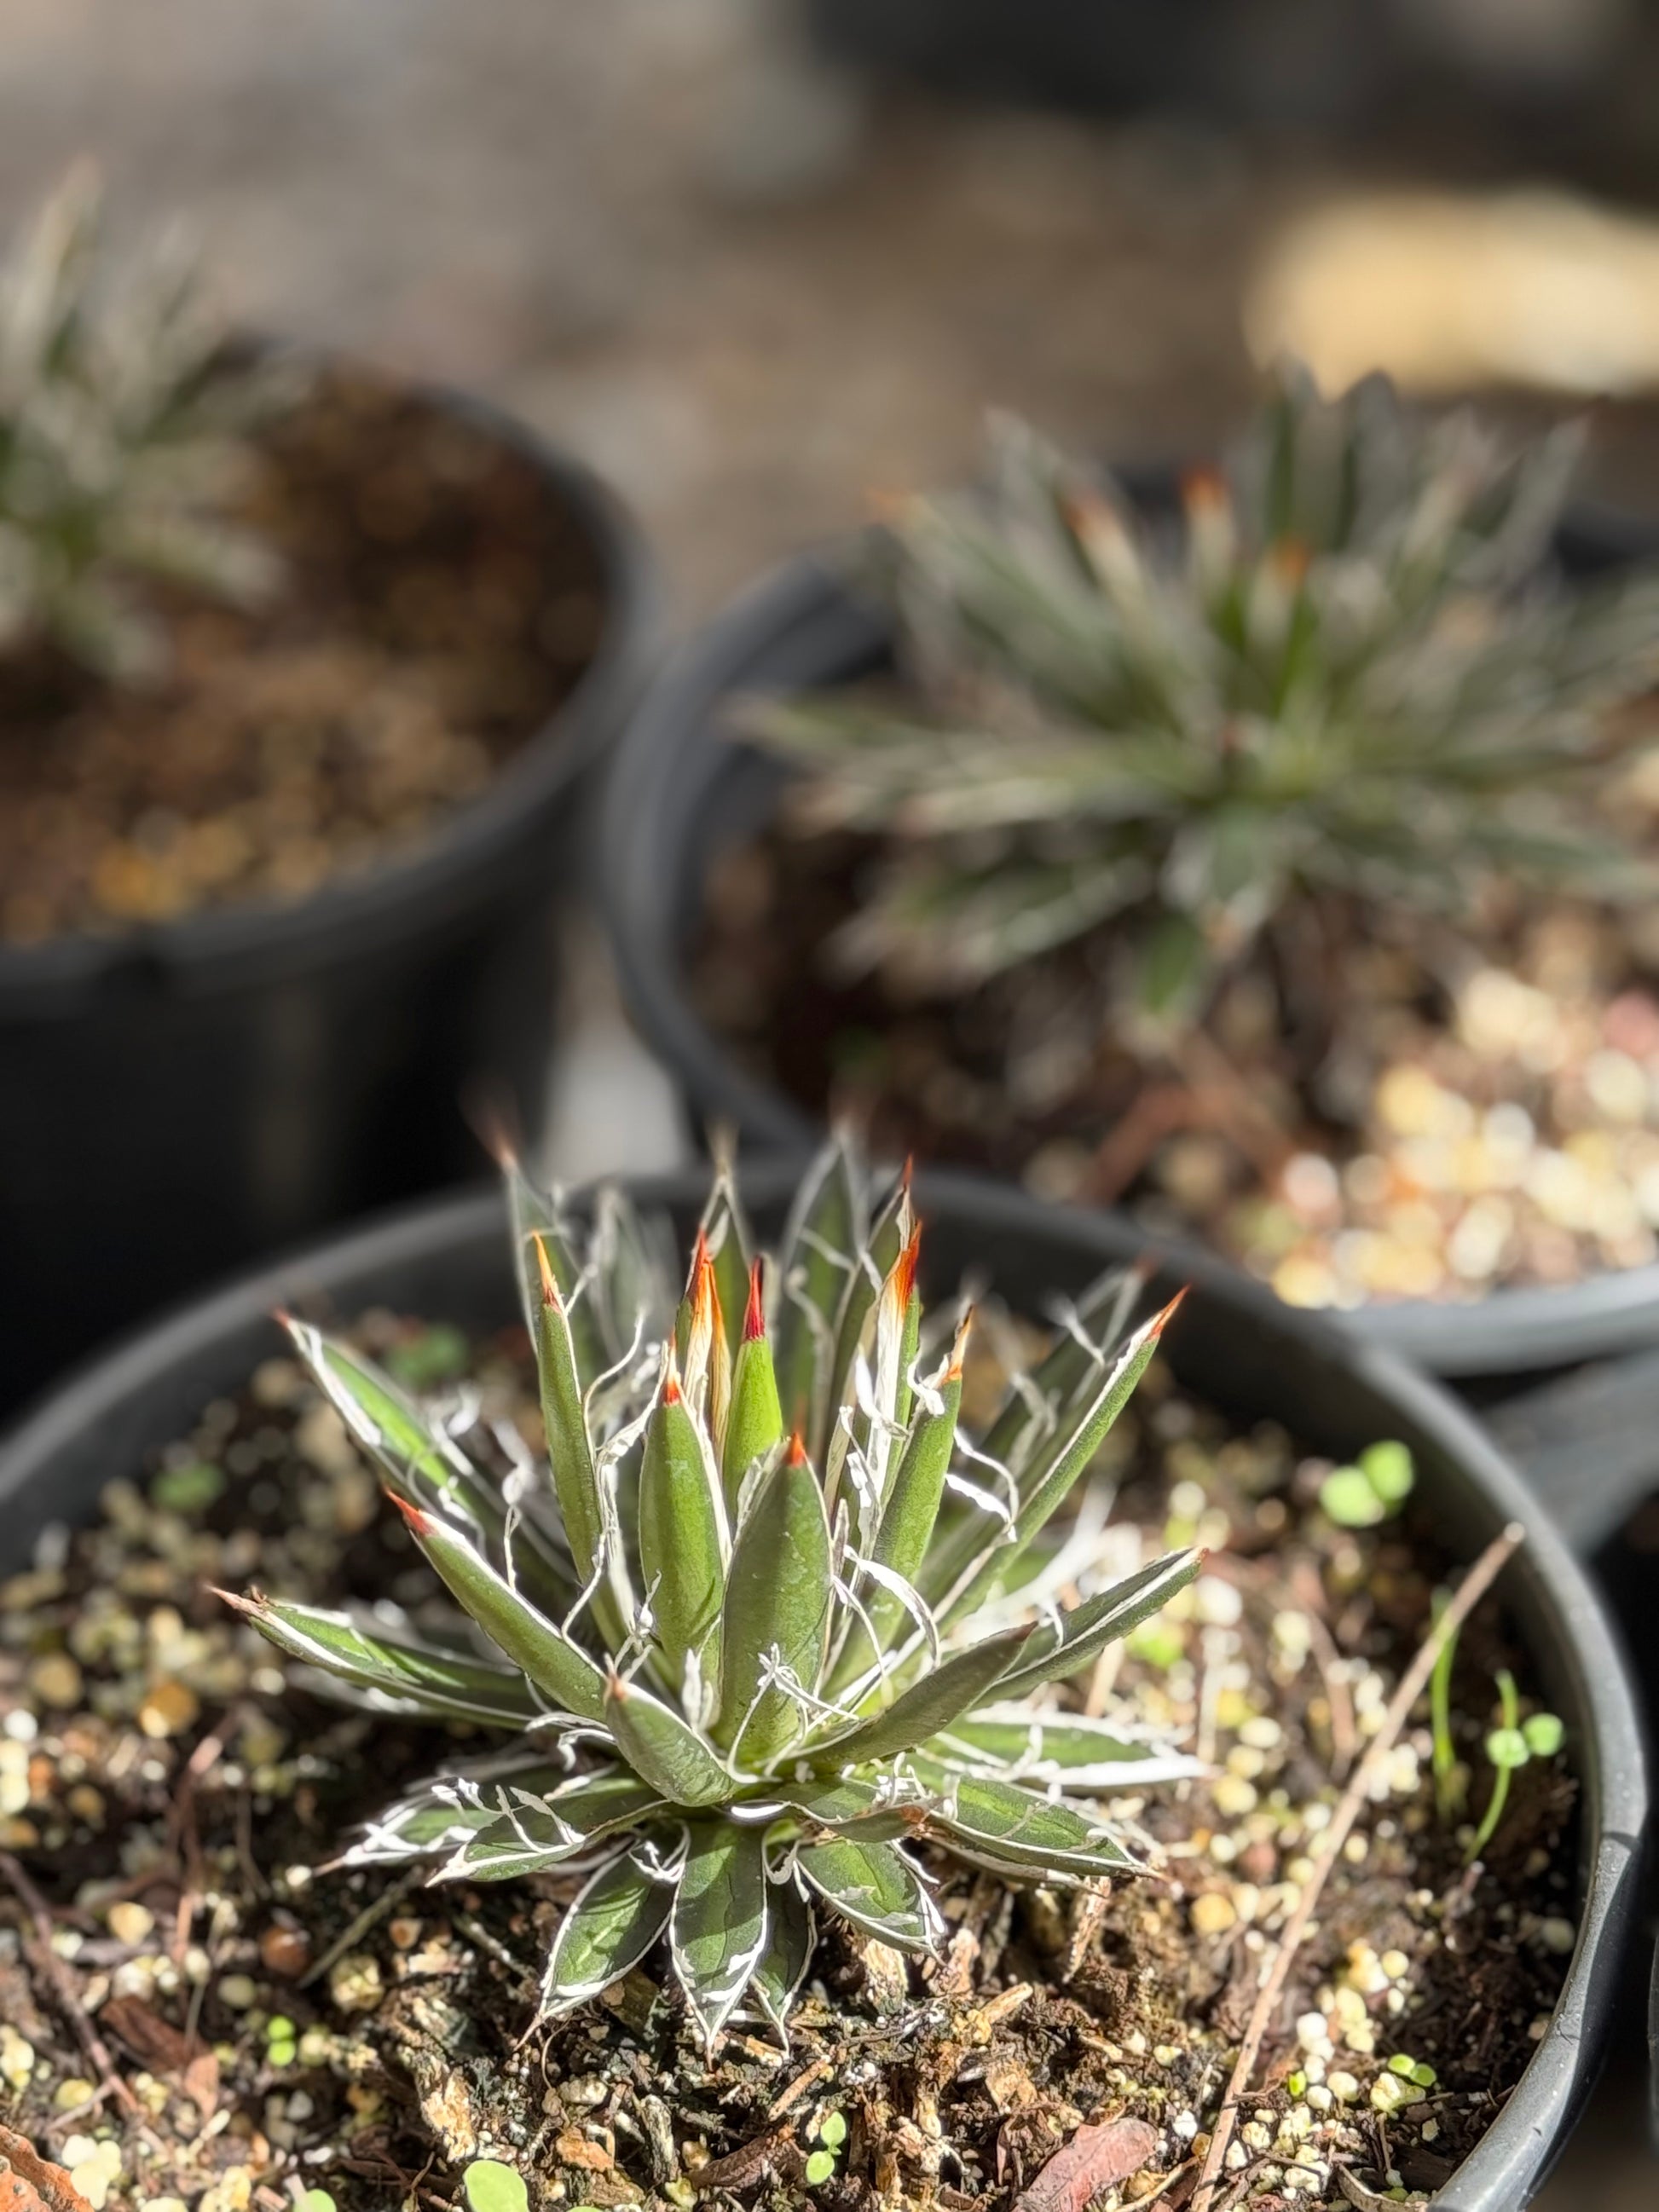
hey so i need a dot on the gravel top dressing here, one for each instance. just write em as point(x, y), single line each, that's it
point(197, 2012)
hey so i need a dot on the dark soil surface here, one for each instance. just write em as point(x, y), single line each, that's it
point(440, 601)
point(1409, 1114)
point(170, 1799)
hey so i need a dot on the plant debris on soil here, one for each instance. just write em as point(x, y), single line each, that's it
point(440, 599)
point(197, 2011)
point(1486, 1112)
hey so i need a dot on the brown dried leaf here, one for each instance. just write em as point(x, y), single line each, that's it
point(29, 2183)
point(165, 2049)
point(1095, 2159)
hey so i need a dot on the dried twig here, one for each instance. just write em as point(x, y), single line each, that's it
point(1474, 1587)
point(63, 1981)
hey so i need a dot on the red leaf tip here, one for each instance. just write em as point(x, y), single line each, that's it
point(1160, 1321)
point(796, 1455)
point(904, 1267)
point(420, 1523)
point(550, 1281)
point(754, 1318)
point(671, 1393)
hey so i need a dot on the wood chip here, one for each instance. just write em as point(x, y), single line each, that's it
point(772, 2149)
point(1095, 2159)
point(29, 2183)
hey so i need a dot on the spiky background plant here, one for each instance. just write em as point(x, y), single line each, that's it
point(765, 1616)
point(120, 446)
point(1342, 676)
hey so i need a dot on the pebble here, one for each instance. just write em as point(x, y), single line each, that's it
point(168, 1710)
point(1214, 1913)
point(131, 1922)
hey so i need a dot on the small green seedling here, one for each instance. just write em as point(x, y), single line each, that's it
point(1375, 1486)
point(187, 1490)
point(315, 2200)
point(1510, 1746)
point(282, 2041)
point(1413, 2069)
point(831, 2135)
point(492, 2187)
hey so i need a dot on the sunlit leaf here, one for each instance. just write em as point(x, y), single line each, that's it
point(613, 1923)
point(406, 1675)
point(876, 1887)
point(777, 1613)
point(718, 1930)
point(663, 1749)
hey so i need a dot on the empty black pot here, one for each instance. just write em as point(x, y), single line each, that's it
point(181, 1098)
point(1236, 1346)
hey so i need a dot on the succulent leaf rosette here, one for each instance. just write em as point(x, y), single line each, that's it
point(1342, 678)
point(122, 440)
point(767, 1616)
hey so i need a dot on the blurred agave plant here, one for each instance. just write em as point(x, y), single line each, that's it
point(120, 440)
point(766, 1616)
point(1343, 673)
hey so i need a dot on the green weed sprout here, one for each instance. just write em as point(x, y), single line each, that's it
point(1377, 1485)
point(1511, 1746)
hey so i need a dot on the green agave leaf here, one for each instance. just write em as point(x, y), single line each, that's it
point(824, 1232)
point(777, 1611)
point(1086, 1630)
point(683, 1537)
point(1047, 1483)
point(718, 1930)
point(928, 1707)
point(538, 1217)
point(627, 1284)
point(1067, 1748)
point(907, 1522)
point(570, 1453)
point(755, 1422)
point(530, 1832)
point(1029, 1415)
point(883, 1807)
point(874, 1887)
point(729, 1248)
point(452, 1807)
point(1018, 1830)
point(663, 1749)
point(782, 1966)
point(893, 1230)
point(416, 1677)
point(422, 1467)
point(613, 1923)
point(564, 1674)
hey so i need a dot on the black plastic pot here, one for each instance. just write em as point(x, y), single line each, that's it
point(680, 791)
point(180, 1099)
point(1236, 1345)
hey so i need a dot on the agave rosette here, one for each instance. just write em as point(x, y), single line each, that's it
point(1345, 670)
point(767, 1616)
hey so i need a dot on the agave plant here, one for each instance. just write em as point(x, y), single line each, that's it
point(120, 445)
point(766, 1617)
point(1342, 673)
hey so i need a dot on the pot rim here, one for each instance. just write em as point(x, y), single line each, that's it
point(210, 949)
point(1512, 2157)
point(804, 605)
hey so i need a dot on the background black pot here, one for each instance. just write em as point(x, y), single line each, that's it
point(1236, 1346)
point(180, 1099)
point(680, 792)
